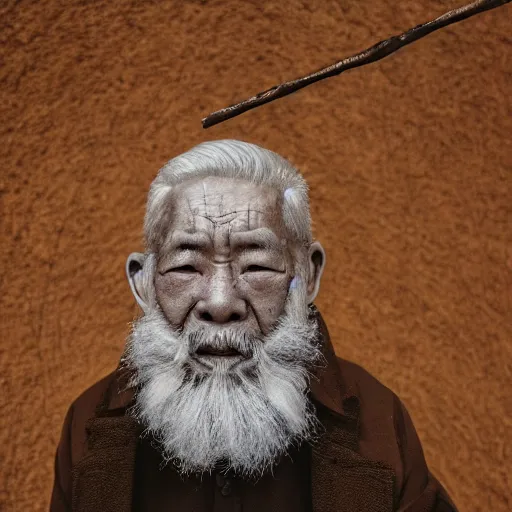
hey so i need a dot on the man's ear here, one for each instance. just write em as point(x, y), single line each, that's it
point(316, 264)
point(134, 272)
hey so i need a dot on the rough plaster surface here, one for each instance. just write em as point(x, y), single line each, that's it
point(409, 162)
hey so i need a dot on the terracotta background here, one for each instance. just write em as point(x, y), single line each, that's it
point(409, 161)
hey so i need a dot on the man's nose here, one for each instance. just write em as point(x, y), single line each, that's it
point(220, 302)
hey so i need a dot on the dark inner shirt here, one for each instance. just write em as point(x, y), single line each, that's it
point(158, 489)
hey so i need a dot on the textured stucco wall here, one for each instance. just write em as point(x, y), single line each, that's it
point(409, 162)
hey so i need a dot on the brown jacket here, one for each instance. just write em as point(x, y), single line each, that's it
point(368, 459)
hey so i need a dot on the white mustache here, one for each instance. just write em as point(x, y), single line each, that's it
point(244, 343)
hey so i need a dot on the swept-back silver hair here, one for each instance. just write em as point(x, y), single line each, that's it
point(232, 159)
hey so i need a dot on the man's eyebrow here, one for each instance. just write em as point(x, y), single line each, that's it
point(183, 241)
point(261, 238)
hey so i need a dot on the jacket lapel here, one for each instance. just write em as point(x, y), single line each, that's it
point(341, 479)
point(103, 478)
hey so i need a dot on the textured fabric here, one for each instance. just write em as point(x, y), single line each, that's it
point(113, 441)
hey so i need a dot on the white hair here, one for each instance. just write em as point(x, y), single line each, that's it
point(238, 160)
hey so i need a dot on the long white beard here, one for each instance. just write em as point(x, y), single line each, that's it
point(242, 419)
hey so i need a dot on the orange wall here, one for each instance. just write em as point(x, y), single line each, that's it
point(409, 161)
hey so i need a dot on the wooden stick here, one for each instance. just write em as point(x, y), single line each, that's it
point(372, 54)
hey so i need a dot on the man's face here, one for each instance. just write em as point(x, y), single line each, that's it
point(223, 356)
point(226, 260)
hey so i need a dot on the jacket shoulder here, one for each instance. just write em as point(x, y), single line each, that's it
point(363, 384)
point(73, 440)
point(87, 402)
point(84, 408)
point(387, 434)
point(378, 407)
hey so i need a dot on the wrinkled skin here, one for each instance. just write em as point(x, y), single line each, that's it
point(226, 259)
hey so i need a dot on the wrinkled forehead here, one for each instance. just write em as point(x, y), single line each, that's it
point(216, 203)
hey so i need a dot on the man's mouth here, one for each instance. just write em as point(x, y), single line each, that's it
point(218, 352)
point(211, 356)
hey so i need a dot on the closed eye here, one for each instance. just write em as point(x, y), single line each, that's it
point(258, 268)
point(187, 269)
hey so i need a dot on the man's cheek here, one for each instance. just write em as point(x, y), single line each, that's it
point(176, 295)
point(266, 293)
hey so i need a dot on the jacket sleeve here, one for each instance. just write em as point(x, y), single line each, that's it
point(61, 493)
point(421, 491)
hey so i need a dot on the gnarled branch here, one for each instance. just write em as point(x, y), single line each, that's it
point(372, 54)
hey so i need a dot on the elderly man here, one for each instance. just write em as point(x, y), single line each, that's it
point(229, 396)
